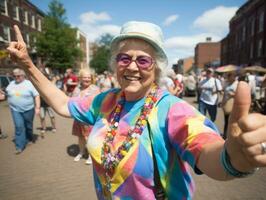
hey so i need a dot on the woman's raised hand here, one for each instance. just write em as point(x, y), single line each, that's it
point(18, 49)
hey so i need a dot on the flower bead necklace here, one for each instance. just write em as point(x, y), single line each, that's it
point(111, 160)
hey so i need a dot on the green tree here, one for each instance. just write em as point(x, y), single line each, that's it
point(100, 60)
point(57, 43)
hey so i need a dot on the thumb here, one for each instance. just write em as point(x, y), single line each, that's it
point(242, 102)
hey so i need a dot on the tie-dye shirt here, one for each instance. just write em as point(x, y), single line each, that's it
point(178, 133)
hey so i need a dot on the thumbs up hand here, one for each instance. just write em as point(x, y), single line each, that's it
point(246, 133)
point(18, 49)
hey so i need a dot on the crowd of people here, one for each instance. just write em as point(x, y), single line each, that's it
point(214, 90)
point(25, 102)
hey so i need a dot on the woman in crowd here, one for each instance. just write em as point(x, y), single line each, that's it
point(83, 90)
point(228, 98)
point(144, 138)
point(24, 101)
point(168, 83)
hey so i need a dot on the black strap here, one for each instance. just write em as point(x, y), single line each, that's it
point(159, 191)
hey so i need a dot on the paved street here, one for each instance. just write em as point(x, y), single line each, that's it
point(46, 171)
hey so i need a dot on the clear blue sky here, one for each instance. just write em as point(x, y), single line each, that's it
point(184, 22)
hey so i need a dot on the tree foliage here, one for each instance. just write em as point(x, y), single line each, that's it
point(57, 43)
point(100, 60)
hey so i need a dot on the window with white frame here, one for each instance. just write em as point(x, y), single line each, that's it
point(33, 24)
point(28, 39)
point(260, 45)
point(6, 35)
point(15, 12)
point(26, 19)
point(261, 22)
point(3, 7)
point(39, 25)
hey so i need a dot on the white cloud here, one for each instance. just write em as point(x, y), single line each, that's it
point(93, 32)
point(169, 20)
point(93, 18)
point(215, 20)
point(92, 25)
point(183, 46)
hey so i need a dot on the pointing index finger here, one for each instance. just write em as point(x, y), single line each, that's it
point(18, 34)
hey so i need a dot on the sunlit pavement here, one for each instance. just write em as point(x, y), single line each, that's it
point(46, 170)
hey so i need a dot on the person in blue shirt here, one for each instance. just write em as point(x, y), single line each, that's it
point(24, 101)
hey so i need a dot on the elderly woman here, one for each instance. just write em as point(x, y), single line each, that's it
point(84, 89)
point(24, 101)
point(144, 139)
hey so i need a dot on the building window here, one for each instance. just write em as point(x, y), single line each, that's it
point(244, 33)
point(26, 19)
point(261, 22)
point(6, 31)
point(251, 50)
point(39, 25)
point(252, 26)
point(236, 40)
point(28, 40)
point(260, 45)
point(33, 25)
point(15, 10)
point(3, 7)
point(224, 48)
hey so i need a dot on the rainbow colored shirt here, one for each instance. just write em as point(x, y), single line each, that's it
point(176, 130)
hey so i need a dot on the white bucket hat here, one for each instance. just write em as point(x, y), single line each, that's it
point(146, 31)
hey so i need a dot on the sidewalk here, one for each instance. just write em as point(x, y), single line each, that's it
point(46, 171)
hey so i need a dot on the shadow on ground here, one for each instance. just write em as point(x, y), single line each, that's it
point(73, 150)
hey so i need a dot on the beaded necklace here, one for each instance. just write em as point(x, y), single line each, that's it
point(111, 160)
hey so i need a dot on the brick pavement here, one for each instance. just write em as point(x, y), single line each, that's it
point(45, 170)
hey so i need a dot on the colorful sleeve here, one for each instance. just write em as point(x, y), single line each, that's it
point(189, 131)
point(86, 109)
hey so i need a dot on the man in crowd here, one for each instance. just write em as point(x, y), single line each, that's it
point(209, 88)
point(70, 82)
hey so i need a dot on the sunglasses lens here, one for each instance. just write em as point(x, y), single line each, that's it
point(123, 60)
point(144, 62)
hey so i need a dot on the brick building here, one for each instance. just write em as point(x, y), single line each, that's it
point(207, 53)
point(184, 65)
point(29, 19)
point(245, 43)
point(84, 46)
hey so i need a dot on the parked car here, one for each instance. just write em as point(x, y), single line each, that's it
point(4, 81)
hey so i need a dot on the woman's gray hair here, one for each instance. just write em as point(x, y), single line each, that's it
point(19, 71)
point(159, 61)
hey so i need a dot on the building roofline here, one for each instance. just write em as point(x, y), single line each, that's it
point(243, 8)
point(38, 9)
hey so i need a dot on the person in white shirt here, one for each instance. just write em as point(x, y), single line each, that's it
point(210, 87)
point(252, 83)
